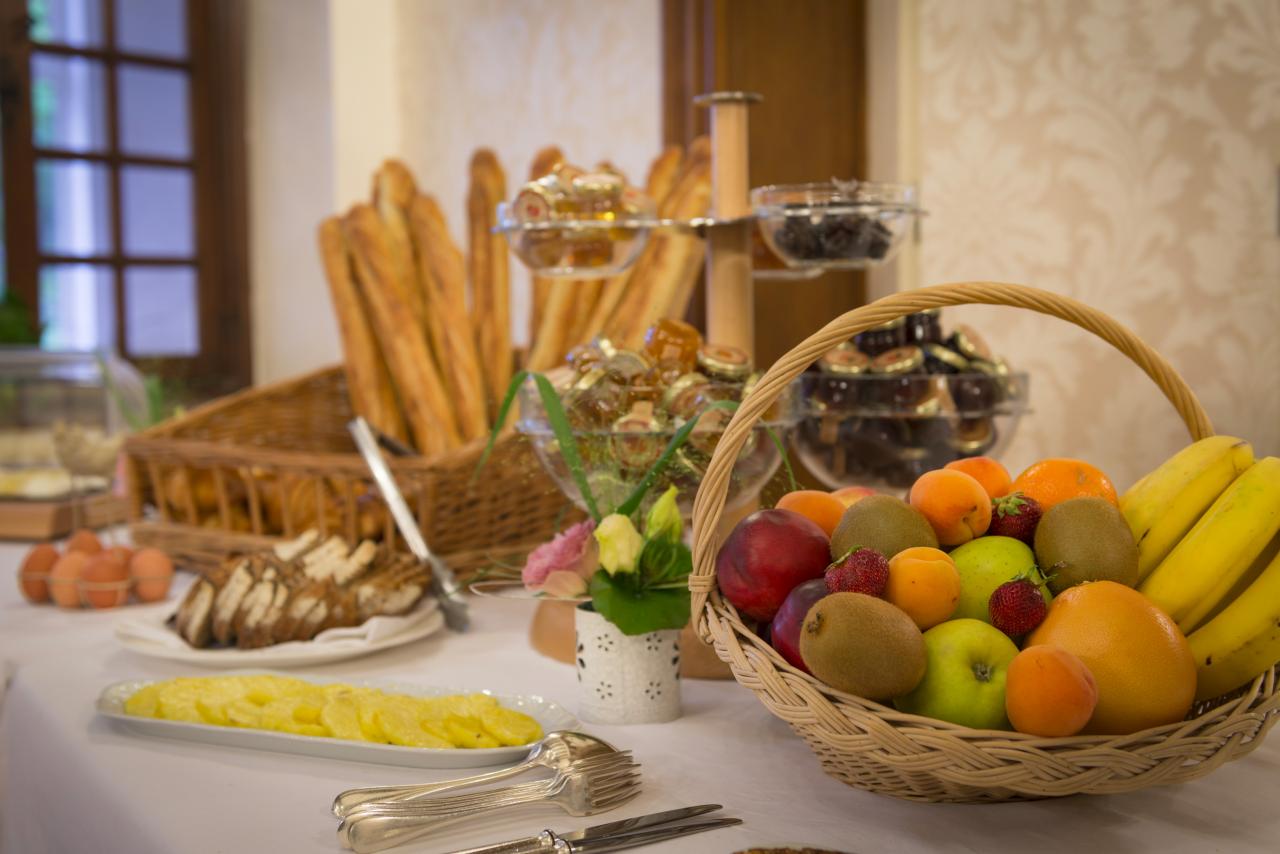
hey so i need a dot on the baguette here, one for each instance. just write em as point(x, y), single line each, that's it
point(393, 189)
point(546, 160)
point(557, 323)
point(585, 297)
point(444, 273)
point(663, 173)
point(368, 380)
point(490, 283)
point(427, 409)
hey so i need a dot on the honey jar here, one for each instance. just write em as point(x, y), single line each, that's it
point(674, 341)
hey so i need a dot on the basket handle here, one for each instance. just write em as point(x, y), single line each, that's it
point(708, 505)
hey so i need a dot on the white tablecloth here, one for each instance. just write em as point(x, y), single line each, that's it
point(72, 783)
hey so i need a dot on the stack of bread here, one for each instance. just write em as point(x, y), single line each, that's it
point(296, 590)
point(426, 328)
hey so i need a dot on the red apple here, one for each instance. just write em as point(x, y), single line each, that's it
point(851, 495)
point(766, 556)
point(784, 631)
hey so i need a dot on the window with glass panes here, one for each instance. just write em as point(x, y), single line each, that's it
point(123, 178)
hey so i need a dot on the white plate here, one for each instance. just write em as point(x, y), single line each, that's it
point(549, 715)
point(149, 635)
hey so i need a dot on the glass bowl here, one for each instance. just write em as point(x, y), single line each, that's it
point(572, 246)
point(614, 460)
point(883, 432)
point(836, 225)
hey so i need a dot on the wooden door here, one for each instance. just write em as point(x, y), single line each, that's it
point(807, 58)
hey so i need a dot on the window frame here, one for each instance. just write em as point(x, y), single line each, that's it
point(217, 162)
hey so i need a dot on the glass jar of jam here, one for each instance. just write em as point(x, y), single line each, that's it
point(595, 401)
point(839, 386)
point(882, 338)
point(681, 397)
point(901, 383)
point(966, 341)
point(941, 360)
point(637, 439)
point(672, 340)
point(978, 391)
point(724, 364)
point(924, 327)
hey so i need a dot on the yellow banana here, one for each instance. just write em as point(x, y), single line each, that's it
point(1243, 640)
point(1161, 507)
point(1203, 567)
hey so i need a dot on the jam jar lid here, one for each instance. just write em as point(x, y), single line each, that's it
point(589, 379)
point(627, 365)
point(535, 203)
point(674, 395)
point(973, 435)
point(724, 362)
point(968, 343)
point(846, 361)
point(899, 360)
point(983, 367)
point(935, 312)
point(598, 185)
point(947, 356)
point(639, 420)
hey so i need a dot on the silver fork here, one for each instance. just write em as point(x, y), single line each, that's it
point(351, 799)
point(377, 827)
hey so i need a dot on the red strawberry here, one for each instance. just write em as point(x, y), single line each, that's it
point(1017, 607)
point(1015, 515)
point(861, 570)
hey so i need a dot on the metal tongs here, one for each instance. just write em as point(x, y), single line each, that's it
point(443, 583)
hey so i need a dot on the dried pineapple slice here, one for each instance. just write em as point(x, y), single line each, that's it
point(402, 728)
point(467, 732)
point(510, 727)
point(342, 717)
point(243, 713)
point(144, 702)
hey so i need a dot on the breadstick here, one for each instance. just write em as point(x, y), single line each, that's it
point(557, 323)
point(663, 173)
point(443, 271)
point(368, 381)
point(490, 282)
point(393, 189)
point(543, 163)
point(403, 343)
point(585, 297)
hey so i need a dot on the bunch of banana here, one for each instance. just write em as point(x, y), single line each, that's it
point(1244, 639)
point(1162, 507)
point(1218, 557)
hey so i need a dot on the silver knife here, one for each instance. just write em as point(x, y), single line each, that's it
point(632, 831)
point(443, 583)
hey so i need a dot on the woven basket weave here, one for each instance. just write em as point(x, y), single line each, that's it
point(874, 747)
point(269, 457)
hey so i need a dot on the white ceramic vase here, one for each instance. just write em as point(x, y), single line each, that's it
point(625, 679)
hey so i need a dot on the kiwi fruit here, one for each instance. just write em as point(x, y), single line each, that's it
point(1085, 539)
point(862, 645)
point(884, 523)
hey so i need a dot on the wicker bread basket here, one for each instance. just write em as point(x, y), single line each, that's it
point(874, 747)
point(249, 469)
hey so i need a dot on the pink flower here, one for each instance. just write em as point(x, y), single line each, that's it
point(573, 551)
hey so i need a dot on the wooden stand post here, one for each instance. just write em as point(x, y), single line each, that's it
point(730, 298)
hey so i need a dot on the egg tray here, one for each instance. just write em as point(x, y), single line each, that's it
point(83, 588)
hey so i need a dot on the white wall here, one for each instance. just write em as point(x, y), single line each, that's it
point(291, 185)
point(337, 85)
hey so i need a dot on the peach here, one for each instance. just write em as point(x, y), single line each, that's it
point(33, 575)
point(851, 495)
point(956, 505)
point(1049, 692)
point(821, 508)
point(925, 583)
point(994, 477)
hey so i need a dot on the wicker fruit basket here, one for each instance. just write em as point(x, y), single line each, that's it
point(267, 463)
point(874, 747)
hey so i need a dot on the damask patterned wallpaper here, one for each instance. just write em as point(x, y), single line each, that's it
point(1127, 154)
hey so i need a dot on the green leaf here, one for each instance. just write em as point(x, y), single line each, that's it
point(665, 561)
point(786, 460)
point(512, 389)
point(681, 436)
point(636, 611)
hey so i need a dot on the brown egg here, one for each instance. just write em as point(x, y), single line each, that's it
point(63, 579)
point(124, 554)
point(85, 541)
point(33, 575)
point(104, 581)
point(152, 573)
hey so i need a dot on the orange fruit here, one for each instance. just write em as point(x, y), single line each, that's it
point(1049, 692)
point(956, 505)
point(1054, 480)
point(986, 471)
point(821, 508)
point(925, 583)
point(1139, 658)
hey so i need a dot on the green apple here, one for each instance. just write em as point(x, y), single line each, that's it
point(986, 563)
point(966, 663)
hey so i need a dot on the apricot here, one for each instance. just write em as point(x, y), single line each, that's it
point(1049, 692)
point(851, 495)
point(925, 583)
point(956, 505)
point(821, 508)
point(994, 477)
point(33, 575)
